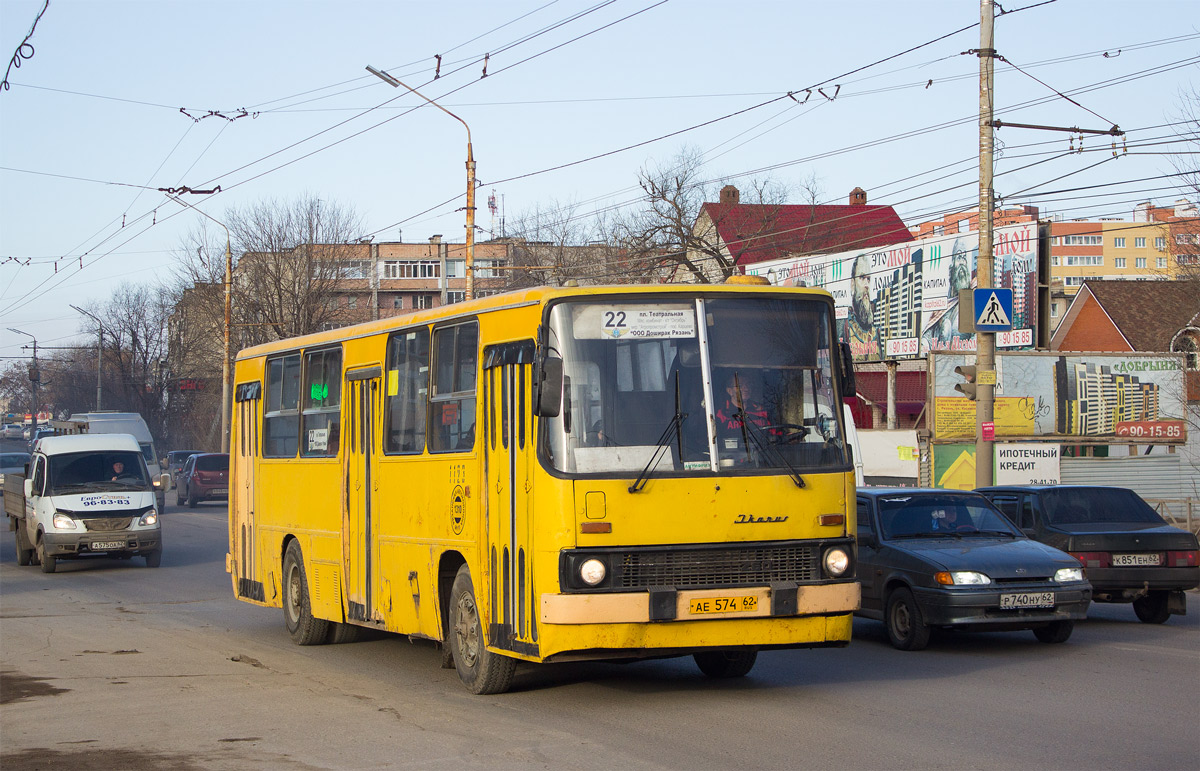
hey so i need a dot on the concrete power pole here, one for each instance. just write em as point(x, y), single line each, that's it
point(985, 359)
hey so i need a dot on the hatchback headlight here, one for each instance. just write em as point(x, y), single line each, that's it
point(592, 571)
point(64, 521)
point(962, 578)
point(837, 561)
point(1068, 575)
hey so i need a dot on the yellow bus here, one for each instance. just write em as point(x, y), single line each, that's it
point(555, 474)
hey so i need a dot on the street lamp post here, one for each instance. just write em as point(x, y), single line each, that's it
point(99, 350)
point(470, 261)
point(34, 377)
point(225, 403)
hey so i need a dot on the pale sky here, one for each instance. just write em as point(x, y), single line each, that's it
point(117, 94)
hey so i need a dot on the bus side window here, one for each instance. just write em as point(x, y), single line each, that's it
point(407, 391)
point(452, 413)
point(281, 422)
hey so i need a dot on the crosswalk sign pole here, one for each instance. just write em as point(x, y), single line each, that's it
point(985, 342)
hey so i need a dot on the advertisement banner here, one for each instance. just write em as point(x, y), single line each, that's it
point(1117, 397)
point(1033, 463)
point(954, 466)
point(902, 301)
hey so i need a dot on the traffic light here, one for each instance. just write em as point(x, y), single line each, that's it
point(967, 389)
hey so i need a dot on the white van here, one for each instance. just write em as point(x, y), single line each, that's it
point(88, 494)
point(119, 423)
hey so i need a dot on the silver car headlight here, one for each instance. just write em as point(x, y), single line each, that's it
point(836, 561)
point(1068, 575)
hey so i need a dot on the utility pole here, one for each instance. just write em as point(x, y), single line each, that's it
point(470, 261)
point(99, 351)
point(985, 342)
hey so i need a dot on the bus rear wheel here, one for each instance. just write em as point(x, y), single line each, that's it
point(726, 663)
point(297, 610)
point(481, 670)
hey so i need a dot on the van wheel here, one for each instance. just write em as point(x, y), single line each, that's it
point(153, 558)
point(1152, 609)
point(481, 670)
point(726, 663)
point(297, 611)
point(24, 548)
point(49, 562)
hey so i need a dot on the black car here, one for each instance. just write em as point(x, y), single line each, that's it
point(1130, 552)
point(947, 558)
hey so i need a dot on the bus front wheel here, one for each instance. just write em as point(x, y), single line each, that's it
point(481, 670)
point(297, 610)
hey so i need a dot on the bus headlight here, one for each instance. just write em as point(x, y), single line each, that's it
point(837, 561)
point(592, 571)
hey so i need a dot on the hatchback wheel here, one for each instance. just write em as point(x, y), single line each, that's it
point(906, 630)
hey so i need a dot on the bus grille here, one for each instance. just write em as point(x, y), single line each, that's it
point(704, 568)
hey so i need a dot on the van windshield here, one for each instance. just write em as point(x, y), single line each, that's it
point(80, 472)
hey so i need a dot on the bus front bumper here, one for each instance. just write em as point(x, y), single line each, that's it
point(776, 601)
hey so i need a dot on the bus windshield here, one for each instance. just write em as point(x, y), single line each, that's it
point(718, 384)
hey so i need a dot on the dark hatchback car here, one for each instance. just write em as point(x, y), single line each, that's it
point(205, 477)
point(946, 558)
point(1131, 554)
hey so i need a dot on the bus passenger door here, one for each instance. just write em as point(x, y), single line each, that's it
point(509, 452)
point(360, 395)
point(244, 451)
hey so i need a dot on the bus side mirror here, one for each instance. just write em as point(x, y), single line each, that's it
point(549, 387)
point(848, 387)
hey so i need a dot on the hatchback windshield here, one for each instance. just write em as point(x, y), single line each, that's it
point(1076, 505)
point(725, 384)
point(91, 471)
point(906, 516)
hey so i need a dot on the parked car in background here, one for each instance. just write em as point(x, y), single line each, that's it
point(42, 431)
point(205, 477)
point(174, 461)
point(1131, 554)
point(946, 558)
point(13, 431)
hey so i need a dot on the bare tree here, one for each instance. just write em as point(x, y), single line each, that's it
point(1186, 234)
point(676, 232)
point(555, 244)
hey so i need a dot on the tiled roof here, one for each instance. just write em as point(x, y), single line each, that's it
point(1148, 313)
point(760, 232)
point(910, 387)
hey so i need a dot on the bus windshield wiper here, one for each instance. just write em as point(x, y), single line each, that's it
point(674, 428)
point(756, 436)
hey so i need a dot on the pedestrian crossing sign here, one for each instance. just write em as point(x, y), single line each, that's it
point(993, 310)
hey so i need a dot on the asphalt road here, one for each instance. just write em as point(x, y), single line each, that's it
point(108, 664)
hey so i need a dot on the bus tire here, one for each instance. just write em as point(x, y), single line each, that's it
point(481, 670)
point(49, 562)
point(297, 610)
point(726, 663)
point(340, 633)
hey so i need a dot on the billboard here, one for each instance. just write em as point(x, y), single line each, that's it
point(901, 301)
point(1131, 397)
